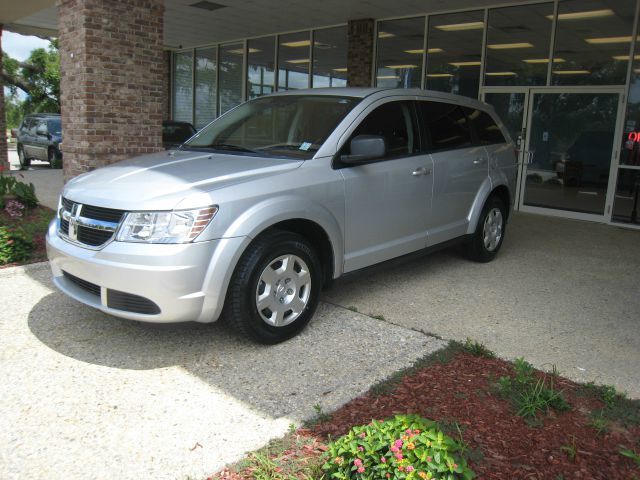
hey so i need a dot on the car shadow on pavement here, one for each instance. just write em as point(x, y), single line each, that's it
point(337, 357)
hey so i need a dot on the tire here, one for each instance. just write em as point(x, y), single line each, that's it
point(274, 289)
point(489, 235)
point(54, 159)
point(24, 161)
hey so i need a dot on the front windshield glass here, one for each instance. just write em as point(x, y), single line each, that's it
point(54, 126)
point(289, 125)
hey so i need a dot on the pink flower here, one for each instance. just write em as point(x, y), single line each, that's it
point(362, 435)
point(394, 449)
point(360, 469)
point(398, 443)
point(408, 431)
point(361, 449)
point(357, 462)
point(383, 459)
point(410, 468)
point(398, 456)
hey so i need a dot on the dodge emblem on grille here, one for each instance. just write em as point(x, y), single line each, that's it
point(73, 221)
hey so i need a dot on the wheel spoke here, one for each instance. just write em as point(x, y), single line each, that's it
point(303, 278)
point(269, 276)
point(297, 305)
point(265, 301)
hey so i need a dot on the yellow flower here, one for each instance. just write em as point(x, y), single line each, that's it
point(411, 445)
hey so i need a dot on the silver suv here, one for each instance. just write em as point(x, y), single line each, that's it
point(255, 213)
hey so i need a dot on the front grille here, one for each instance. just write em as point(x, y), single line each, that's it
point(90, 236)
point(83, 284)
point(88, 225)
point(131, 303)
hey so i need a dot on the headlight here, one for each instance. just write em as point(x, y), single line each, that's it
point(179, 226)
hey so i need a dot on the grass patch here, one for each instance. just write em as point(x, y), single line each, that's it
point(617, 407)
point(286, 458)
point(531, 395)
point(477, 349)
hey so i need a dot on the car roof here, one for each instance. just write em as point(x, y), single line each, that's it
point(363, 92)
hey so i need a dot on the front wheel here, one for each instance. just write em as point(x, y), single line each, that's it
point(24, 161)
point(274, 290)
point(487, 239)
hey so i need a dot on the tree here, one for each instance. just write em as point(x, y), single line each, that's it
point(38, 77)
point(14, 110)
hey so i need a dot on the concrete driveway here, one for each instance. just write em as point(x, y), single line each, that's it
point(561, 292)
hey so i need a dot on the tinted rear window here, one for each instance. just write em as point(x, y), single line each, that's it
point(486, 129)
point(446, 125)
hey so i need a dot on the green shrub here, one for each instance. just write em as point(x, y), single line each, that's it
point(26, 194)
point(404, 447)
point(15, 246)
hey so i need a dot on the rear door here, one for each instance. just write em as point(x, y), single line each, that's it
point(28, 133)
point(459, 168)
point(387, 201)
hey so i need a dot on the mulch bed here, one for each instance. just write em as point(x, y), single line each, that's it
point(502, 444)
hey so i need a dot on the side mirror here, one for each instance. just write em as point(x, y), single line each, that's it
point(365, 148)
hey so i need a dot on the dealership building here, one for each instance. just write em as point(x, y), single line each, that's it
point(563, 75)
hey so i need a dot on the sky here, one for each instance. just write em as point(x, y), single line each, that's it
point(20, 46)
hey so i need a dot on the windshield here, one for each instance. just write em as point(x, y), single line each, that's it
point(54, 126)
point(289, 125)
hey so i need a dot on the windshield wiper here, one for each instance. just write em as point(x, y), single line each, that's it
point(228, 146)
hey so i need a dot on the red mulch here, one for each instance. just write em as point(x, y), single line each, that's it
point(505, 446)
point(460, 391)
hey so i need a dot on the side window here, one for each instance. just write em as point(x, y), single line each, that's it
point(446, 125)
point(394, 122)
point(485, 128)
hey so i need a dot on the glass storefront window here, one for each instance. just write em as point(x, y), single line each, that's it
point(400, 50)
point(454, 52)
point(206, 91)
point(293, 61)
point(231, 77)
point(330, 57)
point(183, 86)
point(517, 53)
point(593, 39)
point(626, 205)
point(630, 152)
point(260, 66)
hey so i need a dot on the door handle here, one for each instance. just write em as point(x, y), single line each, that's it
point(479, 161)
point(418, 172)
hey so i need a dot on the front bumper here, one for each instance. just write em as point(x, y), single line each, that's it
point(186, 282)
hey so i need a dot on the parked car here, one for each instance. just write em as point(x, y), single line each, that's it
point(251, 216)
point(39, 137)
point(176, 133)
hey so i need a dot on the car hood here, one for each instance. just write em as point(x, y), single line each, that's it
point(168, 180)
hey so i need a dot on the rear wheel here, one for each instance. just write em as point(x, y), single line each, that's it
point(487, 239)
point(275, 288)
point(24, 161)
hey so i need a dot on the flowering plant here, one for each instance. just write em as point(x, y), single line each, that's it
point(14, 208)
point(404, 447)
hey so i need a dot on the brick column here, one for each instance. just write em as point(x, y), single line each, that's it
point(360, 52)
point(111, 66)
point(166, 78)
point(4, 159)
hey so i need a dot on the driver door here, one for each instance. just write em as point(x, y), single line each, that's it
point(388, 200)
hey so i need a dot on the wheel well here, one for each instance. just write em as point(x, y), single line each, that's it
point(318, 238)
point(502, 193)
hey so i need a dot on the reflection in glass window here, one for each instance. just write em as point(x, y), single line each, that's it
point(518, 45)
point(485, 128)
point(394, 122)
point(446, 124)
point(206, 66)
point(183, 86)
point(400, 49)
point(454, 51)
point(593, 37)
point(231, 57)
point(630, 152)
point(330, 57)
point(293, 61)
point(260, 66)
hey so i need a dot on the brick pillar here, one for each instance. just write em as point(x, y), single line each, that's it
point(360, 52)
point(4, 159)
point(111, 66)
point(166, 78)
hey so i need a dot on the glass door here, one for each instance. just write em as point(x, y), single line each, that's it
point(565, 140)
point(570, 150)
